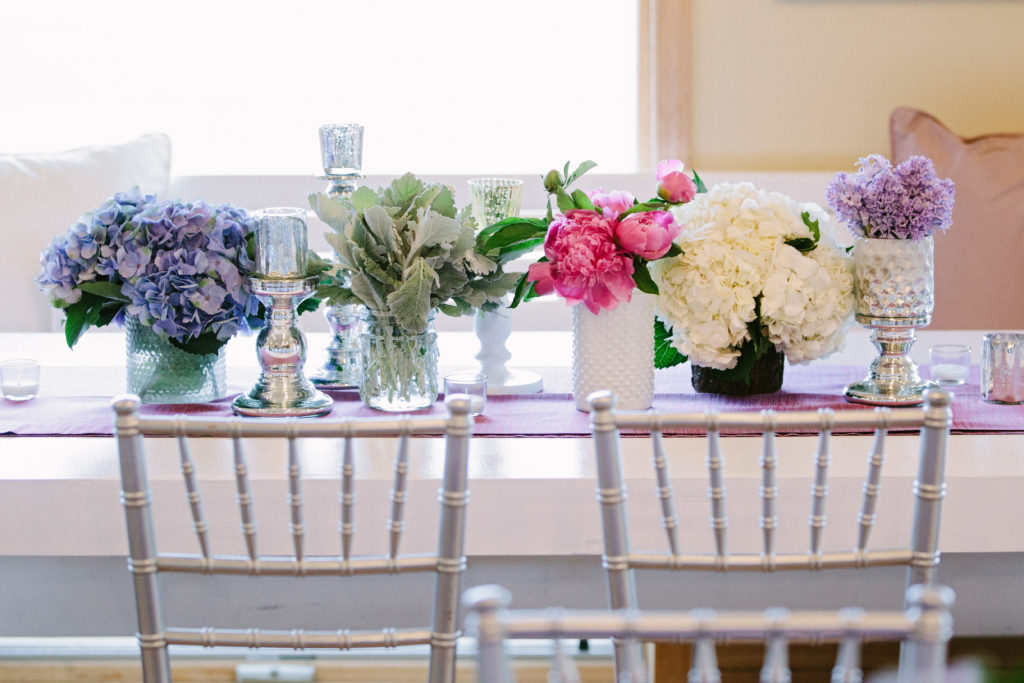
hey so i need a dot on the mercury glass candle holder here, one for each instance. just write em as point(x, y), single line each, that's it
point(281, 284)
point(493, 200)
point(341, 151)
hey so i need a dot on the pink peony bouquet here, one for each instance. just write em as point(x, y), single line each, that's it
point(597, 249)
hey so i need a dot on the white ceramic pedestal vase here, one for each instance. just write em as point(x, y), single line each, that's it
point(492, 331)
point(894, 293)
point(614, 350)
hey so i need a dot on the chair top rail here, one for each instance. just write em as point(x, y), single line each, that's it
point(753, 562)
point(773, 421)
point(290, 566)
point(288, 427)
point(297, 639)
point(702, 623)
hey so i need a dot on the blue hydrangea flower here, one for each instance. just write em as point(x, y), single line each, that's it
point(181, 265)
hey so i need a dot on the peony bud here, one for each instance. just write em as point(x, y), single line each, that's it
point(648, 234)
point(553, 180)
point(673, 185)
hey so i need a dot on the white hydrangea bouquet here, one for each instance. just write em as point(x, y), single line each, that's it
point(757, 271)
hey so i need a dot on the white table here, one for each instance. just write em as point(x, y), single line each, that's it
point(533, 522)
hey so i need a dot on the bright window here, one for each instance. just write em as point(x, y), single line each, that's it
point(448, 86)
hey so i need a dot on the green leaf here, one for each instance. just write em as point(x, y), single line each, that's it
point(650, 205)
point(811, 225)
point(581, 201)
point(403, 191)
point(510, 231)
point(524, 290)
point(444, 202)
point(701, 187)
point(380, 227)
point(665, 354)
point(565, 202)
point(802, 244)
point(642, 276)
point(673, 250)
point(570, 178)
point(410, 303)
point(75, 321)
point(363, 198)
point(308, 306)
point(205, 343)
point(105, 289)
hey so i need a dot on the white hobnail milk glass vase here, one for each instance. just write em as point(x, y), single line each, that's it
point(614, 350)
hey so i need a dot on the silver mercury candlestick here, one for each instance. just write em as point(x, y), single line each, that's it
point(281, 284)
point(341, 151)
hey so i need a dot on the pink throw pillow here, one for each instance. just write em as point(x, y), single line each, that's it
point(979, 261)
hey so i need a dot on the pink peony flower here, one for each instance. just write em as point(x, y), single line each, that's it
point(674, 185)
point(648, 234)
point(584, 263)
point(612, 204)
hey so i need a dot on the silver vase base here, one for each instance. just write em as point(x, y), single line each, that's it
point(896, 395)
point(326, 380)
point(516, 382)
point(304, 402)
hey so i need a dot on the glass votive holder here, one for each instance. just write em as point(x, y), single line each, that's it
point(471, 384)
point(19, 379)
point(949, 363)
point(281, 251)
point(495, 199)
point(1002, 367)
point(341, 148)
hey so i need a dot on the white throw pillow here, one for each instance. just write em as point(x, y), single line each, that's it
point(42, 195)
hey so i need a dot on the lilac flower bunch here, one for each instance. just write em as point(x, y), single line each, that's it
point(177, 267)
point(909, 201)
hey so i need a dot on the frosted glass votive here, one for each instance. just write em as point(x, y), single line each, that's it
point(949, 363)
point(341, 148)
point(471, 384)
point(281, 250)
point(19, 379)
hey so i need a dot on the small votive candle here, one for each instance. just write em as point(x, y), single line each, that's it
point(470, 384)
point(341, 148)
point(19, 379)
point(950, 363)
point(281, 251)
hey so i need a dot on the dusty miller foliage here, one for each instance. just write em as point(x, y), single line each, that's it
point(405, 250)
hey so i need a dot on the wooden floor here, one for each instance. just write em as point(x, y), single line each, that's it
point(1003, 659)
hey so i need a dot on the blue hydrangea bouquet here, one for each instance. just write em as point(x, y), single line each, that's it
point(177, 267)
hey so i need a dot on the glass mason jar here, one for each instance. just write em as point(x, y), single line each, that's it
point(159, 372)
point(398, 369)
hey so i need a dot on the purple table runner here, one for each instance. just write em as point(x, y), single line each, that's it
point(547, 414)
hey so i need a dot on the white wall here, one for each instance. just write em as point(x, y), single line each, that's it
point(809, 84)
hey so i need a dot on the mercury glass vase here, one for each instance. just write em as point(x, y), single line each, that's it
point(614, 350)
point(159, 372)
point(894, 294)
point(398, 369)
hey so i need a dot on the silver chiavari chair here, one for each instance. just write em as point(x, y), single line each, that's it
point(920, 555)
point(924, 628)
point(147, 563)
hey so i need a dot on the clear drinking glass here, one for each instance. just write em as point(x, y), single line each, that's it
point(949, 363)
point(341, 148)
point(19, 379)
point(471, 384)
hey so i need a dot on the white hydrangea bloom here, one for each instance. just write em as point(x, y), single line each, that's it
point(734, 251)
